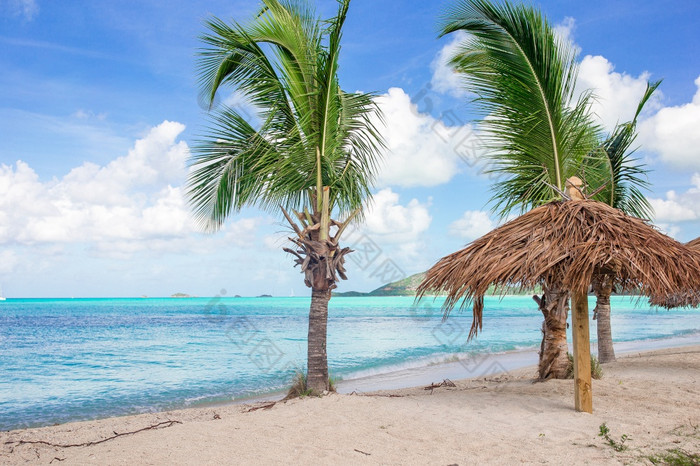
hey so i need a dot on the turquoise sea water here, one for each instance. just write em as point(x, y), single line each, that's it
point(75, 359)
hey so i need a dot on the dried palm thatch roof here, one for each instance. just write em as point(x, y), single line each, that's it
point(695, 244)
point(565, 242)
point(680, 299)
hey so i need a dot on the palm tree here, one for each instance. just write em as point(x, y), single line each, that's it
point(314, 151)
point(621, 188)
point(537, 133)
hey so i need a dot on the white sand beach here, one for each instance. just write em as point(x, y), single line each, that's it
point(652, 397)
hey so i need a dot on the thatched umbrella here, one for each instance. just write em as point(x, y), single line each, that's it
point(687, 299)
point(566, 241)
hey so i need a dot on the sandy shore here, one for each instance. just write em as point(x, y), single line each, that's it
point(652, 397)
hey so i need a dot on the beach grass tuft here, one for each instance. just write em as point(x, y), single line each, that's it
point(596, 369)
point(299, 388)
point(333, 383)
point(676, 457)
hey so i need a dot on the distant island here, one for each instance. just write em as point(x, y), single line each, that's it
point(408, 286)
point(404, 287)
point(264, 296)
point(181, 295)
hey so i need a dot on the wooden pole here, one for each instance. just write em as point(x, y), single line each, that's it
point(583, 393)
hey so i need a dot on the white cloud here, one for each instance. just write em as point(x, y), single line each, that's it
point(422, 150)
point(677, 209)
point(617, 94)
point(386, 216)
point(671, 210)
point(392, 230)
point(674, 133)
point(445, 79)
point(8, 261)
point(275, 242)
point(669, 229)
point(27, 9)
point(565, 29)
point(671, 131)
point(82, 114)
point(135, 202)
point(242, 232)
point(472, 225)
point(134, 197)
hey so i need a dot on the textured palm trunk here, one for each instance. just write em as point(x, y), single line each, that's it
point(317, 375)
point(321, 260)
point(602, 288)
point(554, 305)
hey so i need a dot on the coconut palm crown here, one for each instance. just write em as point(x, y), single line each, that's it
point(523, 75)
point(311, 133)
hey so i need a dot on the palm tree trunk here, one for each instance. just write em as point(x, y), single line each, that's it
point(602, 287)
point(322, 263)
point(554, 305)
point(317, 375)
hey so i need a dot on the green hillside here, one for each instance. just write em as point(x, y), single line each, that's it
point(404, 287)
point(407, 287)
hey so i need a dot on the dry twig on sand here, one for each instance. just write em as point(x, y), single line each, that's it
point(160, 425)
point(265, 406)
point(444, 383)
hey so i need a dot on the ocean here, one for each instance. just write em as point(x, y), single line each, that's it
point(77, 359)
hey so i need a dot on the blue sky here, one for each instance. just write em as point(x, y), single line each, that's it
point(98, 108)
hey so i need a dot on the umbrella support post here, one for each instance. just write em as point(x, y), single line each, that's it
point(583, 393)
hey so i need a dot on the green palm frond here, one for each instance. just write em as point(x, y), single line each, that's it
point(524, 78)
point(624, 177)
point(311, 134)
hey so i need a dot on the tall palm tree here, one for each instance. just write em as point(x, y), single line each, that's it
point(313, 153)
point(622, 184)
point(537, 133)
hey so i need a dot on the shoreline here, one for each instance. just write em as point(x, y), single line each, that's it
point(427, 370)
point(422, 373)
point(651, 397)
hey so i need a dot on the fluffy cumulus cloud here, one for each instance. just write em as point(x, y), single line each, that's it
point(387, 217)
point(472, 225)
point(678, 213)
point(668, 131)
point(133, 197)
point(445, 79)
point(673, 133)
point(391, 232)
point(679, 207)
point(422, 150)
point(672, 209)
point(616, 94)
point(133, 203)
